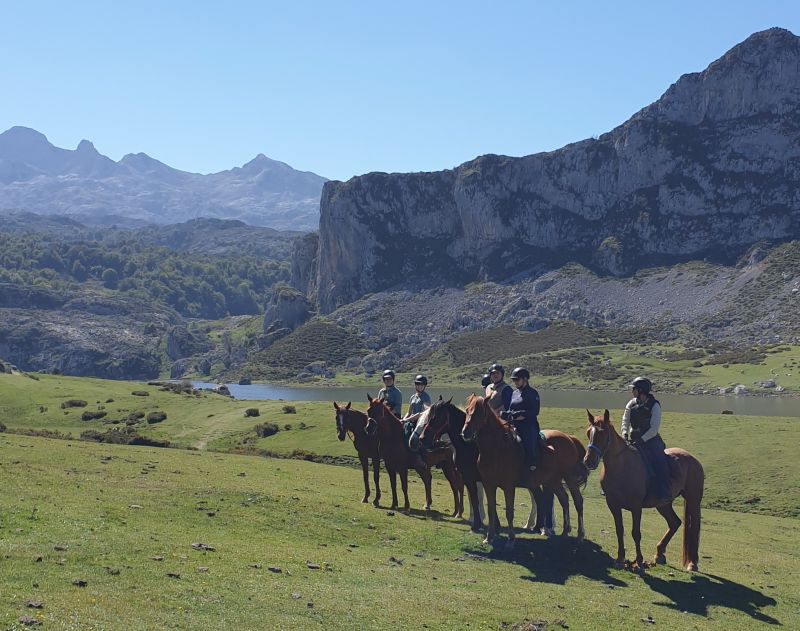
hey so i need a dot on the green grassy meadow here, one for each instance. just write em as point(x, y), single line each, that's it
point(123, 518)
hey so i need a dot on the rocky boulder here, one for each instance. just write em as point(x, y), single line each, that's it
point(287, 309)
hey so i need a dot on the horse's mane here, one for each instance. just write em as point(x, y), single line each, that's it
point(388, 411)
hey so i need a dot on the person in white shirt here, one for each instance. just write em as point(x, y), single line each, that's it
point(641, 423)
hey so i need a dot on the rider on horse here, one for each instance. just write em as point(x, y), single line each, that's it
point(498, 392)
point(420, 399)
point(390, 394)
point(640, 424)
point(522, 412)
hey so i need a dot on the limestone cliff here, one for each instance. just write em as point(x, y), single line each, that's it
point(704, 172)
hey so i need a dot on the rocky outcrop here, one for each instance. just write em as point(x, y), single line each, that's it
point(709, 169)
point(304, 263)
point(287, 310)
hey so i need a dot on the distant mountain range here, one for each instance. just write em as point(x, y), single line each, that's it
point(36, 176)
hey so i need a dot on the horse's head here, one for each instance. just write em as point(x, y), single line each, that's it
point(600, 434)
point(437, 421)
point(376, 412)
point(341, 420)
point(477, 417)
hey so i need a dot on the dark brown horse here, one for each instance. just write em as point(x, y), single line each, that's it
point(398, 459)
point(501, 464)
point(351, 423)
point(624, 481)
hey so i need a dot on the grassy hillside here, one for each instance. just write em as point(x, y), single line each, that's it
point(121, 521)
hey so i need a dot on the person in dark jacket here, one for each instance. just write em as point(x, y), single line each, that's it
point(498, 392)
point(390, 393)
point(641, 423)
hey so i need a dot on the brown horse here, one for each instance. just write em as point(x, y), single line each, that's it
point(398, 459)
point(624, 481)
point(501, 464)
point(351, 423)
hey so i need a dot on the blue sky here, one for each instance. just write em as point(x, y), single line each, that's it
point(346, 88)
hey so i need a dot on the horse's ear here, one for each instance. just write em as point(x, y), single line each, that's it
point(591, 417)
point(440, 398)
point(606, 417)
point(347, 407)
point(449, 401)
point(369, 398)
point(335, 407)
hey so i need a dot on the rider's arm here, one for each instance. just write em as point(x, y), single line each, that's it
point(505, 396)
point(626, 419)
point(655, 423)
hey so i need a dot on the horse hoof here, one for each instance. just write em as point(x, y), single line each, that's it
point(486, 541)
point(365, 500)
point(692, 567)
point(660, 559)
point(618, 565)
point(427, 507)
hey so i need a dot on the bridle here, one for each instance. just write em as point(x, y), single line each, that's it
point(480, 425)
point(439, 431)
point(595, 448)
point(342, 426)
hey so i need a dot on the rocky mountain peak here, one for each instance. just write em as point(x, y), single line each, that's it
point(86, 147)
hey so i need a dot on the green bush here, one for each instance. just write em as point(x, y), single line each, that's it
point(91, 416)
point(73, 403)
point(289, 409)
point(140, 393)
point(2, 427)
point(265, 429)
point(252, 412)
point(156, 417)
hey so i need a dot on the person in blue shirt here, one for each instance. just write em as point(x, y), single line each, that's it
point(390, 393)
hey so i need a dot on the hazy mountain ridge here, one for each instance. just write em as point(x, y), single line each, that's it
point(38, 177)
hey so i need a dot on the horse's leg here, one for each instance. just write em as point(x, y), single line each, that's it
point(365, 470)
point(510, 492)
point(376, 471)
point(474, 506)
point(481, 497)
point(563, 499)
point(404, 485)
point(491, 501)
point(616, 512)
point(636, 532)
point(577, 499)
point(673, 523)
point(453, 477)
point(393, 482)
point(529, 525)
point(424, 473)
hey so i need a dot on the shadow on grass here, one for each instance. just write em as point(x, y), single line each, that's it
point(555, 560)
point(706, 590)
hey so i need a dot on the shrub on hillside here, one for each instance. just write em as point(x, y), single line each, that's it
point(289, 409)
point(265, 429)
point(73, 403)
point(156, 417)
point(252, 412)
point(2, 427)
point(91, 416)
point(140, 393)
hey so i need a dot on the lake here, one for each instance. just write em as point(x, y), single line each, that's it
point(594, 400)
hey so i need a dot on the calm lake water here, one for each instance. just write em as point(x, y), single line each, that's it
point(595, 401)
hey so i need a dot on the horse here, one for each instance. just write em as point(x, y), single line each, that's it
point(624, 482)
point(351, 423)
point(444, 417)
point(382, 422)
point(501, 465)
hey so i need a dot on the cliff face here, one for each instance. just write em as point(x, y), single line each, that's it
point(707, 170)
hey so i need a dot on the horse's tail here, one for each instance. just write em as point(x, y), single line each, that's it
point(580, 470)
point(692, 495)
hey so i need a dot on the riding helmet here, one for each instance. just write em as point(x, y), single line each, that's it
point(642, 385)
point(498, 367)
point(520, 372)
point(388, 373)
point(421, 379)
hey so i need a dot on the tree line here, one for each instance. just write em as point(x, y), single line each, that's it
point(195, 285)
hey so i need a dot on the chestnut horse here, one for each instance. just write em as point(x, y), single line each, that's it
point(444, 417)
point(624, 481)
point(351, 423)
point(501, 465)
point(398, 459)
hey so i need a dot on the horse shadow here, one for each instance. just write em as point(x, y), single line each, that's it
point(555, 560)
point(707, 590)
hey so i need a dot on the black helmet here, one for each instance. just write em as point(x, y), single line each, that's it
point(522, 373)
point(642, 385)
point(486, 380)
point(388, 373)
point(498, 367)
point(421, 379)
